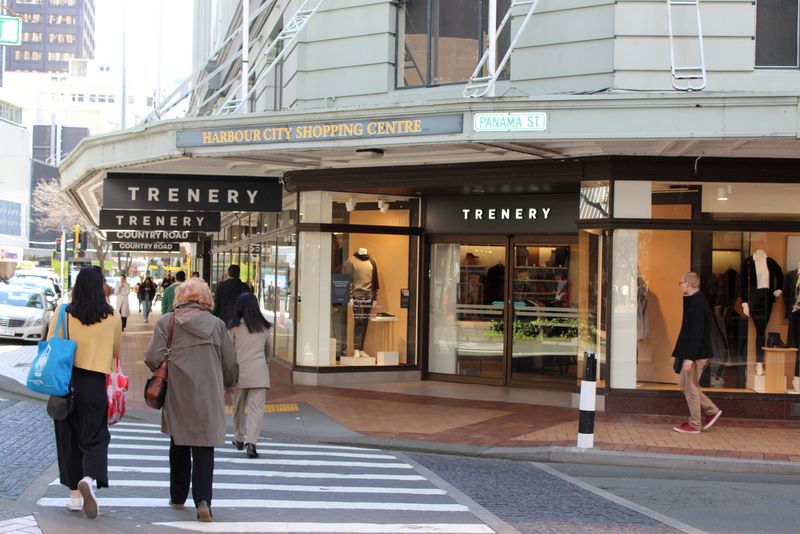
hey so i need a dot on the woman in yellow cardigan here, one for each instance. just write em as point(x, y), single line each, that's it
point(82, 439)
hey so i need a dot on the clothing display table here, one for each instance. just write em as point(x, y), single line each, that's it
point(387, 357)
point(775, 368)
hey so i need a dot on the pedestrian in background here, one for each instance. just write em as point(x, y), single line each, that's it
point(195, 274)
point(692, 350)
point(82, 438)
point(169, 293)
point(147, 292)
point(227, 293)
point(251, 336)
point(202, 364)
point(123, 291)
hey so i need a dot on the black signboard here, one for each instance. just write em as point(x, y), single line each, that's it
point(194, 221)
point(502, 214)
point(145, 236)
point(340, 288)
point(146, 247)
point(129, 191)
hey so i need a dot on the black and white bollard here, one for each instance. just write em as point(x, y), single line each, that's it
point(588, 396)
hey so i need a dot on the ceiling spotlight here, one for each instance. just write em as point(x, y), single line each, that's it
point(383, 205)
point(350, 204)
point(723, 192)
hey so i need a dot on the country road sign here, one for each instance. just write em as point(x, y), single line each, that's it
point(10, 31)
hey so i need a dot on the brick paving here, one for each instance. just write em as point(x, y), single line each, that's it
point(486, 423)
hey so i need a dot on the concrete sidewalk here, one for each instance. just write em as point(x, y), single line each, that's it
point(482, 420)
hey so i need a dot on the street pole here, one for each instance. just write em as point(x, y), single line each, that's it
point(587, 403)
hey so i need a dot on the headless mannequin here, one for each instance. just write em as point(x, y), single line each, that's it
point(762, 279)
point(363, 293)
point(791, 298)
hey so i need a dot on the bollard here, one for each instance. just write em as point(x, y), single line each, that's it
point(587, 404)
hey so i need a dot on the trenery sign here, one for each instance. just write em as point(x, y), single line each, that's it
point(195, 221)
point(129, 191)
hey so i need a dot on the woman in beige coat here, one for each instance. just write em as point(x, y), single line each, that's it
point(202, 364)
point(251, 336)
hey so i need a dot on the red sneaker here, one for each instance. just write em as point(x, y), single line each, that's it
point(711, 419)
point(686, 428)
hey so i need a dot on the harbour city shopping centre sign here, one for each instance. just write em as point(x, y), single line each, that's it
point(322, 131)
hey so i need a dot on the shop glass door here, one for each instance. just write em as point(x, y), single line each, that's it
point(467, 309)
point(544, 313)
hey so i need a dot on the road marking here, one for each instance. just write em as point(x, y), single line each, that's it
point(276, 474)
point(133, 502)
point(333, 528)
point(280, 487)
point(265, 461)
point(263, 451)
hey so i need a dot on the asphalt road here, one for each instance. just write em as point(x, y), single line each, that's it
point(728, 503)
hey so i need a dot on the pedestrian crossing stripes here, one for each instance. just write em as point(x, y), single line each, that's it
point(298, 487)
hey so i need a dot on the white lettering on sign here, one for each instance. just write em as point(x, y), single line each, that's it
point(192, 195)
point(175, 235)
point(161, 220)
point(519, 214)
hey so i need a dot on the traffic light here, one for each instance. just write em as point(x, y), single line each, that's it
point(77, 246)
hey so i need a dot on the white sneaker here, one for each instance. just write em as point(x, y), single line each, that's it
point(74, 504)
point(364, 354)
point(356, 354)
point(90, 506)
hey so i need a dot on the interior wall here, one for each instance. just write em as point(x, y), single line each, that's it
point(664, 256)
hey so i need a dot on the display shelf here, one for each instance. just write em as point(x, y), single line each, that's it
point(528, 280)
point(556, 268)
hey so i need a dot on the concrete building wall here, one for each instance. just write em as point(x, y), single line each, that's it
point(15, 153)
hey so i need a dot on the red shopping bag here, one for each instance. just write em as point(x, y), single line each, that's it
point(117, 391)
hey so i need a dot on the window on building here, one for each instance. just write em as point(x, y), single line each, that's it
point(110, 99)
point(61, 19)
point(441, 41)
point(777, 39)
point(32, 37)
point(31, 18)
point(92, 98)
point(101, 99)
point(62, 2)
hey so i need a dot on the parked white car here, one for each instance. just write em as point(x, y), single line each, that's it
point(45, 274)
point(24, 313)
point(45, 285)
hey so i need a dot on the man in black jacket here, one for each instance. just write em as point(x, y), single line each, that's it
point(692, 350)
point(227, 293)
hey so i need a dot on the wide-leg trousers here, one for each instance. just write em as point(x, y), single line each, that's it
point(248, 414)
point(82, 438)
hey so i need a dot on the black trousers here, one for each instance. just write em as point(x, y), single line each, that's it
point(760, 310)
point(362, 309)
point(181, 472)
point(82, 438)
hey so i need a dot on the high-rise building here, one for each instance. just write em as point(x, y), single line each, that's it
point(53, 33)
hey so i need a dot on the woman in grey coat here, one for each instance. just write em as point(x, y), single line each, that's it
point(202, 364)
point(250, 333)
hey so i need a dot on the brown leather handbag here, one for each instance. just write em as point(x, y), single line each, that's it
point(155, 390)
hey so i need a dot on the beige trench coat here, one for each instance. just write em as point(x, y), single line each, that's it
point(202, 364)
point(252, 351)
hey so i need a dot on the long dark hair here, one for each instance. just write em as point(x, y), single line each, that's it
point(89, 304)
point(247, 309)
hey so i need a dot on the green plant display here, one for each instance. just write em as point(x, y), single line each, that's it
point(554, 328)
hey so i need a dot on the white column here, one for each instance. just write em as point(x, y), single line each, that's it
point(623, 309)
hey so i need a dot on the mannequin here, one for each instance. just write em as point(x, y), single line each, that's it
point(762, 281)
point(791, 300)
point(363, 294)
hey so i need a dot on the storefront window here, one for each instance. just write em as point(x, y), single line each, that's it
point(358, 296)
point(648, 306)
point(356, 208)
point(282, 295)
point(594, 200)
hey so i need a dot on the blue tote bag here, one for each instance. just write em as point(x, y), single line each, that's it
point(51, 369)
